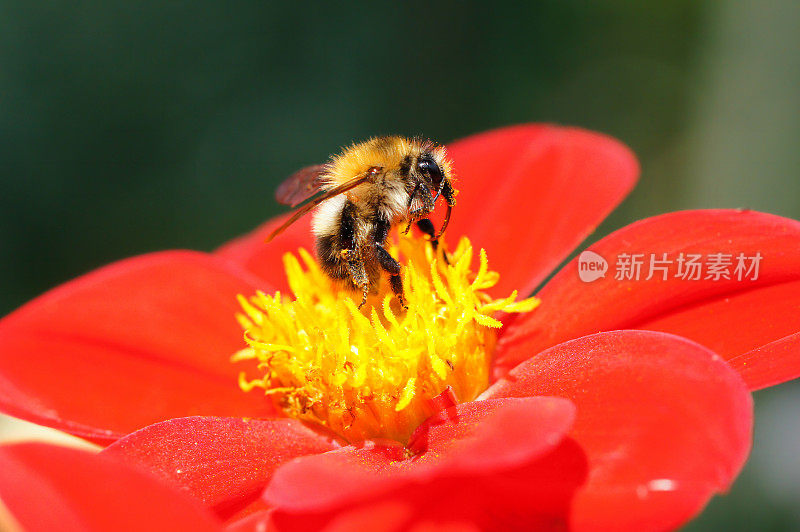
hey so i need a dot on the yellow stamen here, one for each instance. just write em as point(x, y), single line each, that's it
point(373, 372)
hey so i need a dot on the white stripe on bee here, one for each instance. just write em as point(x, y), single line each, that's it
point(328, 216)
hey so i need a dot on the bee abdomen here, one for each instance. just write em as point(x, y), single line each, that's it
point(339, 236)
point(330, 257)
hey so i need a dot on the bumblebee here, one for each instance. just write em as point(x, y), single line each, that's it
point(360, 195)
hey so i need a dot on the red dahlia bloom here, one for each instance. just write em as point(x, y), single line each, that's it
point(617, 403)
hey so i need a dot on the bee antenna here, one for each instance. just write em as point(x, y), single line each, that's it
point(445, 223)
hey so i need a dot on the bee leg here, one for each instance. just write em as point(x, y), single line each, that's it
point(358, 274)
point(427, 204)
point(364, 292)
point(426, 226)
point(396, 282)
point(392, 267)
point(362, 283)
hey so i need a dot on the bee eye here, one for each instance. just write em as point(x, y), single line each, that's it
point(429, 167)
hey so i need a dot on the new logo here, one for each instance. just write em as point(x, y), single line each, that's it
point(591, 266)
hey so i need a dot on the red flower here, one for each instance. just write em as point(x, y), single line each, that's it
point(53, 488)
point(632, 428)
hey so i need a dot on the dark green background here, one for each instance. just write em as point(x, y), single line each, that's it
point(127, 127)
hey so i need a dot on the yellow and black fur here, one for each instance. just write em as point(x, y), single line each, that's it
point(404, 178)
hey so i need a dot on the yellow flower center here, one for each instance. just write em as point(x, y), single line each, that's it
point(374, 372)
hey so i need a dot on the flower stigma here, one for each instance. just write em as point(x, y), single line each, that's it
point(374, 372)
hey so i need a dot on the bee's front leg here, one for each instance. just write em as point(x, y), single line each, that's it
point(426, 226)
point(423, 194)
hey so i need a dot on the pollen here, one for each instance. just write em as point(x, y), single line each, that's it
point(375, 372)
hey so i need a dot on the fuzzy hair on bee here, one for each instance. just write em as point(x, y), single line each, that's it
point(361, 194)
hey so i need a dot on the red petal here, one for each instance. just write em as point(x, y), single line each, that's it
point(131, 344)
point(728, 316)
point(480, 460)
point(535, 496)
point(53, 488)
point(491, 435)
point(224, 462)
point(770, 364)
point(260, 521)
point(390, 515)
point(324, 481)
point(739, 322)
point(265, 259)
point(530, 194)
point(256, 508)
point(665, 424)
point(468, 438)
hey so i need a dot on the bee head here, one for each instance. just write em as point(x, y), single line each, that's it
point(434, 169)
point(430, 170)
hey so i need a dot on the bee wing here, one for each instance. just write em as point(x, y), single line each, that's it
point(344, 187)
point(301, 185)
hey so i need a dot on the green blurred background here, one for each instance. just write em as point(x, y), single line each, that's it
point(127, 127)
